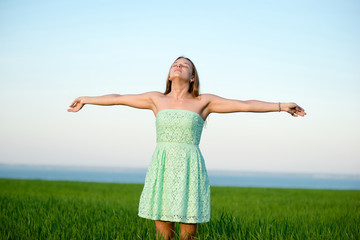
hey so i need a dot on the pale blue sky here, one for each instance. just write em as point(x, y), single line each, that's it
point(306, 52)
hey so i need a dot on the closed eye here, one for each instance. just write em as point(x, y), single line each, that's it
point(181, 65)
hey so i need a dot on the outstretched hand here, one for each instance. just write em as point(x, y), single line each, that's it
point(294, 109)
point(76, 105)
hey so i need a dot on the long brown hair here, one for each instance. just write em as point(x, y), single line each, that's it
point(194, 86)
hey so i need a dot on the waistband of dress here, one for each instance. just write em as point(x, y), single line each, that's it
point(177, 143)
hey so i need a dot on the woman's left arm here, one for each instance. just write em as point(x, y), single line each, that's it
point(218, 104)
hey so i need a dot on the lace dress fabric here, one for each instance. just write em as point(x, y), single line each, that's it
point(176, 185)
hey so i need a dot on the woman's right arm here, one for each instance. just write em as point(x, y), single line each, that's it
point(144, 101)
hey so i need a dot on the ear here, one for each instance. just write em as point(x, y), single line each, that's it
point(192, 79)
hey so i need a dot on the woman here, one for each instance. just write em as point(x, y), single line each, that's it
point(176, 186)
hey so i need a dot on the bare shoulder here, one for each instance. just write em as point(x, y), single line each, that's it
point(153, 94)
point(156, 98)
point(207, 97)
point(206, 100)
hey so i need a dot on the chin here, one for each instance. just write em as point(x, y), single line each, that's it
point(179, 78)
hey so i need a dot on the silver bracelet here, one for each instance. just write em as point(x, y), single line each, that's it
point(279, 107)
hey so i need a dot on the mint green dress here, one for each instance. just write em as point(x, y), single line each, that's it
point(176, 185)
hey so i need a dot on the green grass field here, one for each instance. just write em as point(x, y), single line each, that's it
point(34, 209)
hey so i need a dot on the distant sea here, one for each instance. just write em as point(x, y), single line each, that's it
point(217, 178)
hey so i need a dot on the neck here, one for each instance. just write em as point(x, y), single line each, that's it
point(179, 89)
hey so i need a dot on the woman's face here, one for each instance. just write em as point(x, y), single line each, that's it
point(182, 68)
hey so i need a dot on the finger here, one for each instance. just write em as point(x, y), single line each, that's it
point(302, 114)
point(75, 104)
point(72, 103)
point(74, 109)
